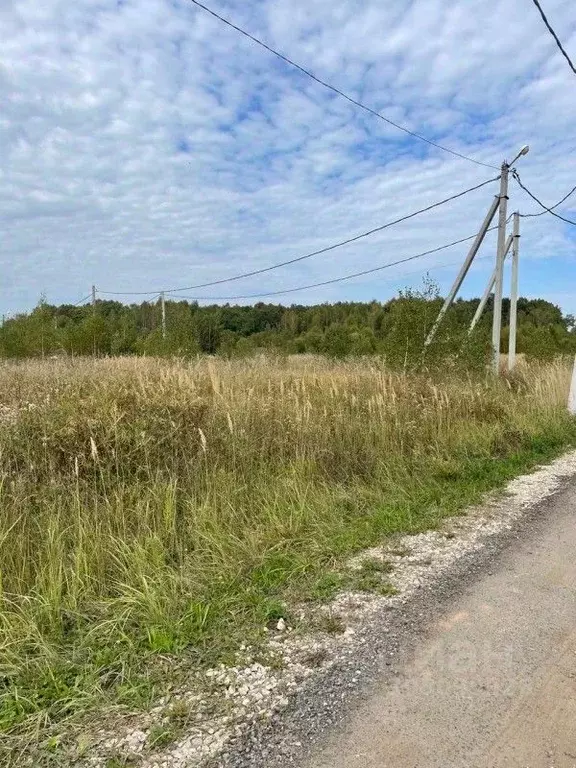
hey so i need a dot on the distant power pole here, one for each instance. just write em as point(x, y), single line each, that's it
point(514, 292)
point(94, 350)
point(163, 305)
point(499, 276)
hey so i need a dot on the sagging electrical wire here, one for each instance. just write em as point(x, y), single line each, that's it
point(297, 259)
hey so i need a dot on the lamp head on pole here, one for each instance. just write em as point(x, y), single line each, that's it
point(524, 151)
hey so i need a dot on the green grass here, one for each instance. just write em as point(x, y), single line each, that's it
point(157, 515)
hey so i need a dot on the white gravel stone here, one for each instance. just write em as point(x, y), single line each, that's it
point(251, 690)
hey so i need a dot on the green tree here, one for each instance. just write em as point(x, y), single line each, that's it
point(208, 332)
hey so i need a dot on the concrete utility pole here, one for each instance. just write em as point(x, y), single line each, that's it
point(163, 305)
point(487, 292)
point(514, 292)
point(497, 316)
point(94, 313)
point(499, 276)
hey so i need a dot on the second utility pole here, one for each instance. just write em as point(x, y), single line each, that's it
point(514, 293)
point(497, 316)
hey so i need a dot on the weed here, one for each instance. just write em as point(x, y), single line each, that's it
point(178, 711)
point(375, 565)
point(161, 735)
point(326, 586)
point(330, 623)
point(371, 581)
point(119, 761)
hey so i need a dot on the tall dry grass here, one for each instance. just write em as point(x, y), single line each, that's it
point(154, 510)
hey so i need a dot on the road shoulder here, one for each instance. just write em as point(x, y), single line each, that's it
point(392, 632)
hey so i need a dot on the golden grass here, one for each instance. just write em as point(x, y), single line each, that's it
point(167, 509)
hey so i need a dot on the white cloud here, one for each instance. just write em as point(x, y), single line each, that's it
point(145, 145)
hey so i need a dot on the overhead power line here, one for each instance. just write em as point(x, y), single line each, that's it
point(554, 35)
point(333, 88)
point(86, 298)
point(313, 253)
point(552, 207)
point(336, 279)
point(516, 176)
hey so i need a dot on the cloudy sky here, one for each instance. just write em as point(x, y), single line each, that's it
point(144, 145)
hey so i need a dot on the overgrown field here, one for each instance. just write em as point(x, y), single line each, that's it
point(155, 515)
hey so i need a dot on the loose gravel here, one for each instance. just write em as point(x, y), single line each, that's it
point(267, 715)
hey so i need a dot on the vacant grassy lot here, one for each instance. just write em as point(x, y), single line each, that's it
point(155, 515)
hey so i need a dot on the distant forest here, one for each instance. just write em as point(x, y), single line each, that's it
point(395, 329)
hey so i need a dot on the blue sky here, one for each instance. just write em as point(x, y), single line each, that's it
point(145, 145)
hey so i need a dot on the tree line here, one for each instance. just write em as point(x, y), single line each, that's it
point(395, 329)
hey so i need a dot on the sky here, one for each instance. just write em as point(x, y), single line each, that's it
point(145, 146)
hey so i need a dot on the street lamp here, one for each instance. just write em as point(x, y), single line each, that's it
point(524, 151)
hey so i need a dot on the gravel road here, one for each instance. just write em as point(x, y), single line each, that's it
point(492, 680)
point(474, 668)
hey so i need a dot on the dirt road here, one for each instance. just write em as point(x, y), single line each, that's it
point(493, 681)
